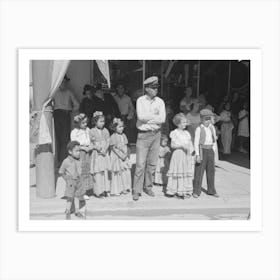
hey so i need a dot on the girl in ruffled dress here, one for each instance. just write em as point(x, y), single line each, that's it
point(119, 156)
point(163, 162)
point(100, 163)
point(81, 134)
point(181, 170)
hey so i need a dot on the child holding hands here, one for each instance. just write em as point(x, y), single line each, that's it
point(181, 170)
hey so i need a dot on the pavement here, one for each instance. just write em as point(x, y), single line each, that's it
point(232, 183)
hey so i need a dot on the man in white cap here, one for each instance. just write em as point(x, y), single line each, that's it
point(150, 115)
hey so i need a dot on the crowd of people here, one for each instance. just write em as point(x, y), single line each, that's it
point(172, 149)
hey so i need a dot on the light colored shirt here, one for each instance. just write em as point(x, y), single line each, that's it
point(71, 168)
point(208, 137)
point(125, 105)
point(65, 100)
point(81, 135)
point(150, 113)
point(181, 138)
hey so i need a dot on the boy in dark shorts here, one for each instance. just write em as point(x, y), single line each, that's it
point(70, 170)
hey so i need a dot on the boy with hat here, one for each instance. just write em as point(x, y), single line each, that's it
point(150, 116)
point(204, 144)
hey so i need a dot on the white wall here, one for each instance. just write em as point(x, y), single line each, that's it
point(79, 74)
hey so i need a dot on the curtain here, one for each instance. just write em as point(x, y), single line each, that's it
point(103, 66)
point(47, 76)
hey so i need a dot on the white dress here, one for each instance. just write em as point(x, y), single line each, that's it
point(243, 126)
point(181, 169)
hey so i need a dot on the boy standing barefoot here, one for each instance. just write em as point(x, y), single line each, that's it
point(71, 172)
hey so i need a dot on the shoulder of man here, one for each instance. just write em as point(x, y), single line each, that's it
point(159, 100)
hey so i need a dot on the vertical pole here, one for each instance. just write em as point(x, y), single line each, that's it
point(44, 158)
point(198, 79)
point(229, 77)
point(144, 74)
point(161, 80)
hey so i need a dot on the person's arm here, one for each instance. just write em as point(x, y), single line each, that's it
point(106, 145)
point(160, 118)
point(93, 144)
point(196, 141)
point(75, 102)
point(62, 171)
point(143, 114)
point(175, 143)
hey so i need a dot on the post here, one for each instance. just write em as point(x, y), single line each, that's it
point(44, 158)
point(198, 78)
point(144, 74)
point(161, 80)
point(229, 77)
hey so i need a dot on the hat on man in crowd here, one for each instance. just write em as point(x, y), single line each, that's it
point(151, 81)
point(206, 114)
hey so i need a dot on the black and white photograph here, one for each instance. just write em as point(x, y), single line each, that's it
point(139, 139)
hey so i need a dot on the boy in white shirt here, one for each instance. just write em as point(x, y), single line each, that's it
point(204, 144)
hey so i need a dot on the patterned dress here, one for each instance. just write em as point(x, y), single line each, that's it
point(100, 161)
point(120, 167)
point(83, 137)
point(162, 165)
point(181, 169)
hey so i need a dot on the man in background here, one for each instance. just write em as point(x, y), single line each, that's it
point(64, 102)
point(125, 106)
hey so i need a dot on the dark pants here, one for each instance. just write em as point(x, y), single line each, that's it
point(208, 163)
point(147, 149)
point(62, 126)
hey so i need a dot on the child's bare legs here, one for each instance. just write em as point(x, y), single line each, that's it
point(68, 208)
point(81, 210)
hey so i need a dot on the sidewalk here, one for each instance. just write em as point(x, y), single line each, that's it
point(232, 184)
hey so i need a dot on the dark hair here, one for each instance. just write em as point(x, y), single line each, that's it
point(96, 118)
point(178, 117)
point(71, 145)
point(98, 86)
point(113, 125)
point(120, 83)
point(78, 119)
point(87, 87)
point(227, 103)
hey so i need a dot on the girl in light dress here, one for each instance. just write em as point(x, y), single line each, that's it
point(100, 162)
point(119, 156)
point(243, 127)
point(226, 129)
point(163, 162)
point(81, 134)
point(181, 169)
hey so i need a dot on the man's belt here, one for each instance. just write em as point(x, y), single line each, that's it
point(146, 131)
point(208, 147)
